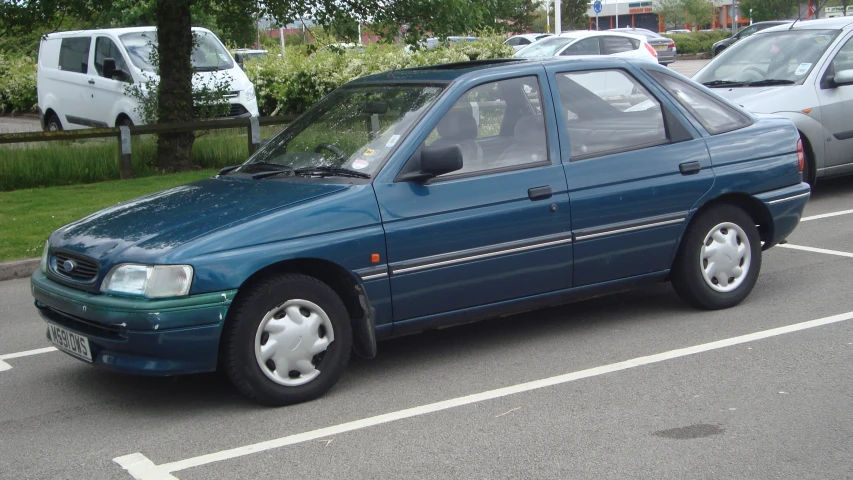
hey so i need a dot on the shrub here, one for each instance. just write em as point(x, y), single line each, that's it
point(697, 42)
point(17, 84)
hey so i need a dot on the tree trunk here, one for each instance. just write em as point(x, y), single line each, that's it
point(175, 97)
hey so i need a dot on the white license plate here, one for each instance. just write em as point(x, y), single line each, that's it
point(70, 342)
point(660, 47)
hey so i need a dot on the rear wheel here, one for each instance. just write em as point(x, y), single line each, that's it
point(287, 341)
point(719, 259)
point(52, 123)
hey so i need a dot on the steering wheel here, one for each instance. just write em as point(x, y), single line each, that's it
point(337, 151)
point(755, 70)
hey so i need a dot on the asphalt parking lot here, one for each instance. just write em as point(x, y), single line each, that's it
point(635, 385)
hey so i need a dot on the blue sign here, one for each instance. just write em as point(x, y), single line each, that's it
point(597, 6)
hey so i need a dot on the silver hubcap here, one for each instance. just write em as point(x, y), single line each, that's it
point(725, 257)
point(291, 341)
point(52, 127)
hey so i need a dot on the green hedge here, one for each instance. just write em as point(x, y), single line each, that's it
point(17, 84)
point(697, 42)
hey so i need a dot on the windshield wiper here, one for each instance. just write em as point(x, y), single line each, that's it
point(723, 83)
point(330, 171)
point(769, 81)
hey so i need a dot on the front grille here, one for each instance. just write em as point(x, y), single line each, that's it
point(237, 110)
point(85, 269)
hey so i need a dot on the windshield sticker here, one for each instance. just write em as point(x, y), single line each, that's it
point(392, 141)
point(369, 152)
point(223, 57)
point(360, 164)
point(803, 68)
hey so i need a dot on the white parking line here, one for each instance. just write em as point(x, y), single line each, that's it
point(816, 250)
point(5, 366)
point(826, 215)
point(141, 468)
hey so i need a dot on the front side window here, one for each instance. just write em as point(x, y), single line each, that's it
point(547, 47)
point(843, 60)
point(608, 111)
point(354, 128)
point(587, 46)
point(105, 48)
point(768, 58)
point(715, 116)
point(496, 125)
point(208, 54)
point(74, 54)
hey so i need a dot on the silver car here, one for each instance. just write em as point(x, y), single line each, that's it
point(803, 72)
point(520, 41)
point(664, 46)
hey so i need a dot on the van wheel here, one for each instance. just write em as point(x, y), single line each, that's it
point(52, 123)
point(719, 259)
point(287, 341)
point(124, 122)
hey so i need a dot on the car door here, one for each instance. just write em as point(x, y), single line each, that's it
point(497, 230)
point(108, 93)
point(836, 104)
point(74, 92)
point(634, 169)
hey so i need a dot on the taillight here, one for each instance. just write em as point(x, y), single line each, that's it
point(671, 45)
point(651, 50)
point(801, 155)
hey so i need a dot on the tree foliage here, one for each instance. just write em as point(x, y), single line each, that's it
point(769, 9)
point(673, 12)
point(573, 15)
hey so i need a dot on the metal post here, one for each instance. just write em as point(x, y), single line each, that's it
point(734, 17)
point(557, 18)
point(281, 38)
point(124, 164)
point(547, 16)
point(254, 135)
point(617, 13)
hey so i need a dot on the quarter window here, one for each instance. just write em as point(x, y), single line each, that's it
point(587, 46)
point(105, 48)
point(611, 45)
point(74, 54)
point(714, 115)
point(496, 125)
point(608, 111)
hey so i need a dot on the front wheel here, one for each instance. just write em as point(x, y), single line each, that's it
point(719, 259)
point(287, 341)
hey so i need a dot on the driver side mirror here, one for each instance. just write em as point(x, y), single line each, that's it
point(844, 77)
point(435, 161)
point(112, 72)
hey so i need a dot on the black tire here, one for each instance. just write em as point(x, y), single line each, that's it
point(688, 277)
point(808, 165)
point(718, 51)
point(124, 122)
point(239, 339)
point(52, 123)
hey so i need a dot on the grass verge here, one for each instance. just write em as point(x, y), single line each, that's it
point(28, 216)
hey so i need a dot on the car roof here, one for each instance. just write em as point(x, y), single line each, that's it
point(114, 31)
point(596, 33)
point(835, 23)
point(449, 72)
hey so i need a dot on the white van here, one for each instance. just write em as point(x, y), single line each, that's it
point(79, 87)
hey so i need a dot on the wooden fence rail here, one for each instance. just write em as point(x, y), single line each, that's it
point(124, 134)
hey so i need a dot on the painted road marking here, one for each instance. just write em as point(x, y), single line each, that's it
point(816, 250)
point(826, 215)
point(141, 468)
point(5, 366)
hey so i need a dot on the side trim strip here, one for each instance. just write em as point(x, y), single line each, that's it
point(375, 277)
point(843, 135)
point(372, 273)
point(790, 198)
point(460, 257)
point(661, 221)
point(86, 122)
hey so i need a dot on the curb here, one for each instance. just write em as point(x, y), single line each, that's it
point(18, 269)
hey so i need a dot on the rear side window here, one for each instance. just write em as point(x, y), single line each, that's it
point(715, 116)
point(74, 54)
point(587, 46)
point(611, 45)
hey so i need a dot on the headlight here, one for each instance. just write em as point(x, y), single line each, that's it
point(44, 256)
point(151, 281)
point(250, 93)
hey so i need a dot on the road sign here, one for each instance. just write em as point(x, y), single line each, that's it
point(597, 6)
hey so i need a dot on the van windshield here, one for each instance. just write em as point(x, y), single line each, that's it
point(208, 54)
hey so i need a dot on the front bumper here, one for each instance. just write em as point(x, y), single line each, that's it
point(786, 207)
point(139, 336)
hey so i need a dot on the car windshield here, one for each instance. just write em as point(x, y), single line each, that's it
point(208, 54)
point(547, 47)
point(354, 128)
point(775, 58)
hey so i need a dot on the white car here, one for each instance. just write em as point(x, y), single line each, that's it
point(83, 75)
point(520, 41)
point(590, 42)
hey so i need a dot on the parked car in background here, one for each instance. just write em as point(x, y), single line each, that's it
point(803, 72)
point(243, 54)
point(665, 47)
point(422, 198)
point(83, 76)
point(520, 41)
point(590, 42)
point(678, 30)
point(755, 27)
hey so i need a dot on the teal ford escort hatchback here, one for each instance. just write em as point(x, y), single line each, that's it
point(420, 198)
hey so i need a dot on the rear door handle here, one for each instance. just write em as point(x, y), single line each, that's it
point(91, 82)
point(690, 168)
point(539, 193)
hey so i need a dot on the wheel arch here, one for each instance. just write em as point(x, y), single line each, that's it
point(345, 285)
point(754, 207)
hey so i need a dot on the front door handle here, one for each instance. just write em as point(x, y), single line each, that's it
point(91, 82)
point(539, 193)
point(690, 168)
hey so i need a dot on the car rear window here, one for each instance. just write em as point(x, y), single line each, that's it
point(74, 54)
point(714, 115)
